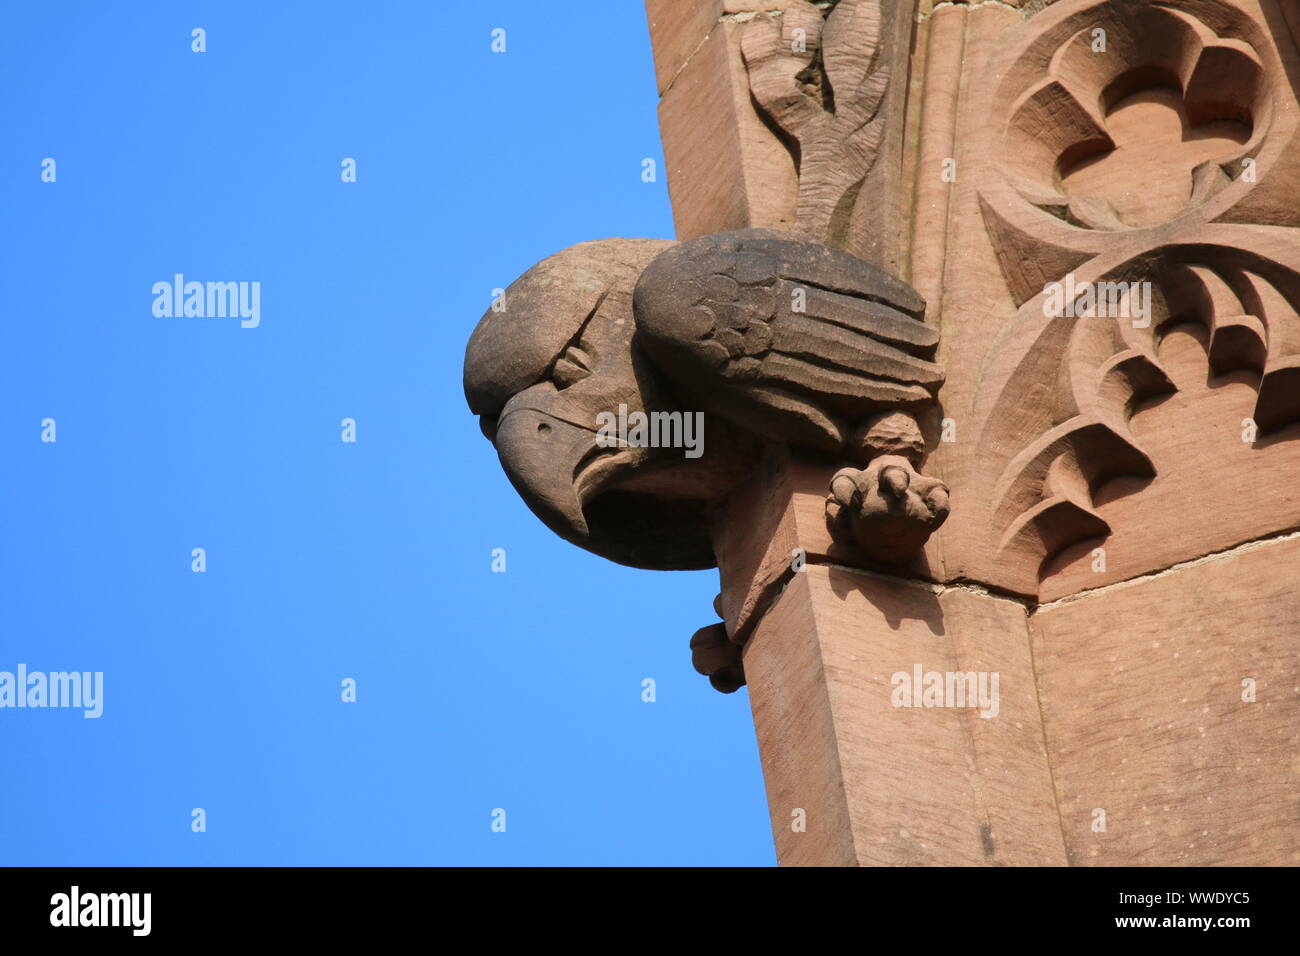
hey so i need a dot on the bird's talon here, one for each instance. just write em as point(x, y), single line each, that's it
point(887, 510)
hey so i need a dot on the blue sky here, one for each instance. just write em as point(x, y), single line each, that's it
point(325, 560)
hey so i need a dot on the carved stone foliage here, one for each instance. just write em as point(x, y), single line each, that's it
point(1147, 184)
point(820, 79)
point(723, 344)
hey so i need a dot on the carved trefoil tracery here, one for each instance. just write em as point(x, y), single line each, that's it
point(1149, 144)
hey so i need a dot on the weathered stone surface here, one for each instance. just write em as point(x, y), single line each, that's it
point(1142, 692)
point(886, 785)
point(1160, 161)
point(730, 172)
point(775, 522)
point(886, 509)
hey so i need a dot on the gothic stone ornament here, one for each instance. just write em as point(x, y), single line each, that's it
point(1168, 163)
point(769, 337)
point(554, 352)
point(774, 340)
point(819, 76)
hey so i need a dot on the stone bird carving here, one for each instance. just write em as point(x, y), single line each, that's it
point(766, 336)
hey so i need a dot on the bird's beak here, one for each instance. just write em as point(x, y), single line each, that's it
point(543, 456)
point(547, 442)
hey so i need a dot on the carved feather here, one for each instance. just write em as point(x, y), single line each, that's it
point(777, 333)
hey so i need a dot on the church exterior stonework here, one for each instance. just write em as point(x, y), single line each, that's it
point(989, 314)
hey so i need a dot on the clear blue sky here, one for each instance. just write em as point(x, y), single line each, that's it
point(325, 560)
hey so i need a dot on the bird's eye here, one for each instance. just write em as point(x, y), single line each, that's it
point(573, 366)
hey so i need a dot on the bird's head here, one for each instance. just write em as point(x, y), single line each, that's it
point(553, 359)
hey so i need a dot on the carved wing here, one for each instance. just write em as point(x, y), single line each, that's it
point(784, 337)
